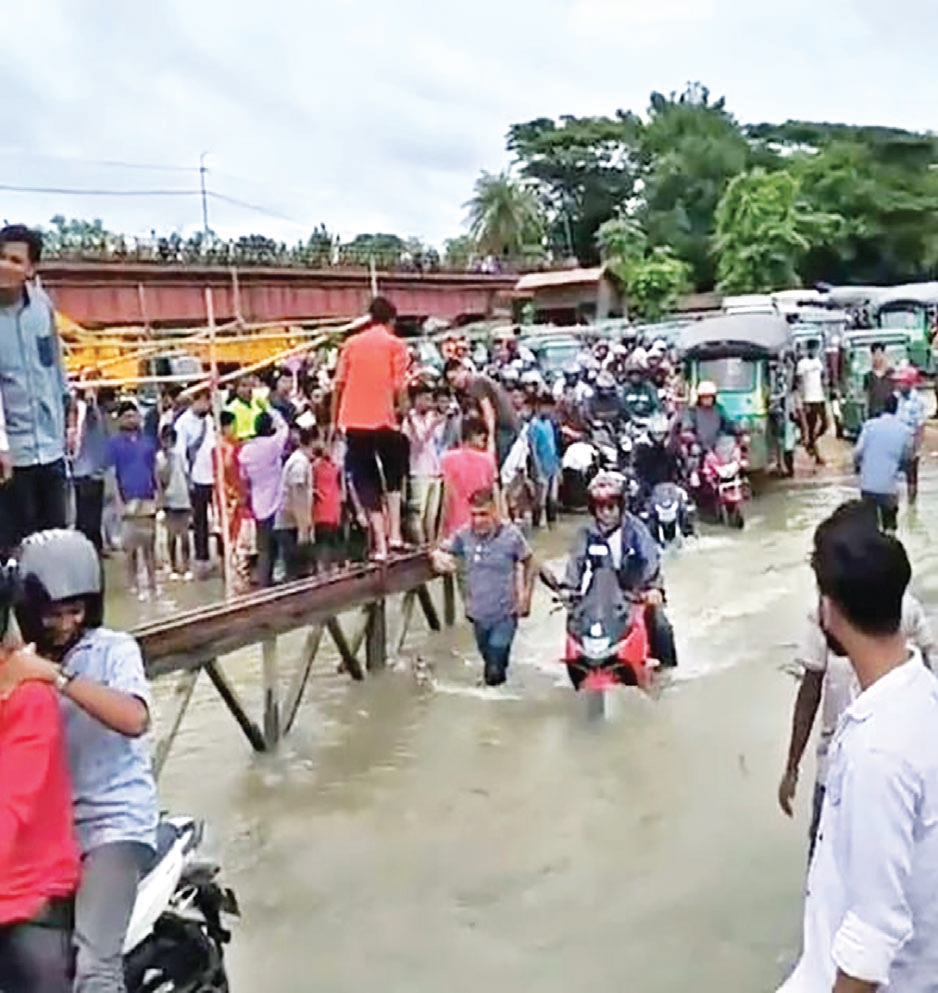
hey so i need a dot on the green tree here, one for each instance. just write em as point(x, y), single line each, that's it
point(653, 277)
point(505, 218)
point(764, 230)
point(584, 169)
point(690, 148)
point(458, 252)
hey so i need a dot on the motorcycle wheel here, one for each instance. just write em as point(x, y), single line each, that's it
point(595, 704)
point(735, 519)
point(179, 957)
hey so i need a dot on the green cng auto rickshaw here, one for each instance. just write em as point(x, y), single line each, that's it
point(911, 308)
point(855, 361)
point(750, 359)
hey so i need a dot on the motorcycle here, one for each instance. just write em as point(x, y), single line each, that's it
point(579, 463)
point(723, 483)
point(607, 641)
point(176, 937)
point(668, 514)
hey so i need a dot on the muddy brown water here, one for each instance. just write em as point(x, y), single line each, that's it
point(433, 835)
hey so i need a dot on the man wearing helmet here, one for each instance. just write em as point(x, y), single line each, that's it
point(100, 679)
point(605, 405)
point(706, 417)
point(639, 395)
point(618, 540)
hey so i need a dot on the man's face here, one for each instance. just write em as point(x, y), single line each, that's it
point(200, 406)
point(879, 358)
point(15, 267)
point(458, 378)
point(244, 390)
point(706, 400)
point(284, 384)
point(63, 622)
point(423, 402)
point(442, 403)
point(130, 420)
point(483, 520)
point(608, 514)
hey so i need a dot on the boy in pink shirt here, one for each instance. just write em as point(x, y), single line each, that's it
point(466, 470)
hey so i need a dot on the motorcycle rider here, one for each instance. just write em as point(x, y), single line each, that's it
point(658, 462)
point(605, 404)
point(99, 676)
point(706, 417)
point(639, 396)
point(618, 540)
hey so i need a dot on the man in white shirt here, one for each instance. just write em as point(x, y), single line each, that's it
point(810, 373)
point(871, 912)
point(195, 443)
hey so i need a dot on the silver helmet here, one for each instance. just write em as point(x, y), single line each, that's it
point(63, 562)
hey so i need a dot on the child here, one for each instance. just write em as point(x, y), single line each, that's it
point(422, 427)
point(544, 445)
point(466, 469)
point(327, 509)
point(175, 501)
point(133, 456)
point(499, 574)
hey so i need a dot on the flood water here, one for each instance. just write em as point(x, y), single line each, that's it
point(428, 835)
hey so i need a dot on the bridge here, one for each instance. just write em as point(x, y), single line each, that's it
point(105, 294)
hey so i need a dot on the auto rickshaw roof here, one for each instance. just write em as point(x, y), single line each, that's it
point(736, 334)
point(923, 294)
point(870, 336)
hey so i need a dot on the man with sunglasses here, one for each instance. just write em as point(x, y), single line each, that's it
point(618, 540)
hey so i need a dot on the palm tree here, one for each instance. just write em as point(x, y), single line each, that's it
point(505, 218)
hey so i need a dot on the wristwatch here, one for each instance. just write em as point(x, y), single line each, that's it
point(63, 680)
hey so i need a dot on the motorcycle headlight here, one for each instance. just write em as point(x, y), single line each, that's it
point(596, 649)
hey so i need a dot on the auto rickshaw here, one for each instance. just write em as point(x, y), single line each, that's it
point(912, 308)
point(750, 358)
point(856, 360)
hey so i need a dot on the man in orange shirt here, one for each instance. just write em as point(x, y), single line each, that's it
point(368, 393)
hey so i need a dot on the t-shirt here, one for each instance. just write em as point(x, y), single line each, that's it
point(112, 777)
point(297, 475)
point(192, 431)
point(175, 490)
point(811, 373)
point(840, 686)
point(423, 431)
point(465, 471)
point(489, 563)
point(327, 492)
point(371, 372)
point(878, 390)
point(482, 388)
point(38, 854)
point(134, 459)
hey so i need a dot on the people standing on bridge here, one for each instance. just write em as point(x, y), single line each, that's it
point(369, 392)
point(260, 459)
point(911, 412)
point(879, 383)
point(245, 405)
point(105, 698)
point(195, 447)
point(871, 911)
point(133, 456)
point(882, 450)
point(829, 684)
point(810, 376)
point(499, 577)
point(493, 404)
point(34, 394)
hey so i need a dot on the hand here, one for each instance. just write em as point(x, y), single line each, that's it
point(442, 561)
point(524, 606)
point(653, 598)
point(786, 791)
point(22, 665)
point(6, 467)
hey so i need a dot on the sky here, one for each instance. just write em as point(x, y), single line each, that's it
point(368, 115)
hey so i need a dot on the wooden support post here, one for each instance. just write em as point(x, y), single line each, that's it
point(350, 662)
point(233, 702)
point(182, 694)
point(295, 696)
point(429, 610)
point(449, 599)
point(359, 639)
point(271, 693)
point(376, 642)
point(407, 611)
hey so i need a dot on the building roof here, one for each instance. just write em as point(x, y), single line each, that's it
point(559, 277)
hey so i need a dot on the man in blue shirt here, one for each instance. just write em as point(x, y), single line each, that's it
point(884, 447)
point(34, 394)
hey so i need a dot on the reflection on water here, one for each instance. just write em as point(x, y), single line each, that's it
point(421, 832)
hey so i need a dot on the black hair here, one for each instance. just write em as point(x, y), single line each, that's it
point(421, 386)
point(482, 498)
point(452, 365)
point(307, 436)
point(474, 427)
point(125, 407)
point(863, 571)
point(19, 232)
point(226, 417)
point(877, 346)
point(168, 433)
point(264, 424)
point(382, 311)
point(891, 404)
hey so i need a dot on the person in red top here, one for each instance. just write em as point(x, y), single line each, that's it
point(369, 390)
point(327, 509)
point(39, 862)
point(466, 470)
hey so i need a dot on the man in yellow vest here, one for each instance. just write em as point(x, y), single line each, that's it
point(245, 405)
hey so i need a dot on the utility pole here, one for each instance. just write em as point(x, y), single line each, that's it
point(202, 171)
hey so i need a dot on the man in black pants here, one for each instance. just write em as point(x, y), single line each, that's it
point(34, 396)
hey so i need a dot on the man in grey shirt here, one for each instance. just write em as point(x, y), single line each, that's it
point(34, 393)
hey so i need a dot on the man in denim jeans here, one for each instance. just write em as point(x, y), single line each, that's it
point(499, 575)
point(104, 694)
